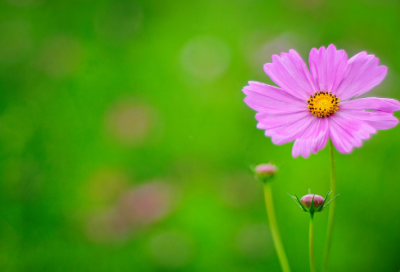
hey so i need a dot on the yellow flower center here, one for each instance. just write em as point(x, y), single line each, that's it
point(323, 104)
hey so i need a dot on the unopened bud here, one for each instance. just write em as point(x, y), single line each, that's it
point(265, 171)
point(307, 200)
point(306, 203)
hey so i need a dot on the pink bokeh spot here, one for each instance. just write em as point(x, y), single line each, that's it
point(267, 168)
point(283, 112)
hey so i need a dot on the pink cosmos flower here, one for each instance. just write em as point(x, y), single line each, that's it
point(312, 106)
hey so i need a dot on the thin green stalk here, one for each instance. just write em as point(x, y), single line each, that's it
point(331, 210)
point(274, 228)
point(311, 244)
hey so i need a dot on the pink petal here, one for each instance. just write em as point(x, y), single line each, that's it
point(371, 103)
point(291, 73)
point(347, 132)
point(268, 121)
point(353, 125)
point(259, 98)
point(290, 131)
point(362, 74)
point(313, 140)
point(339, 138)
point(321, 136)
point(327, 67)
point(275, 93)
point(376, 119)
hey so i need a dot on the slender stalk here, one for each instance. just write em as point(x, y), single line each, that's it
point(331, 209)
point(311, 244)
point(274, 228)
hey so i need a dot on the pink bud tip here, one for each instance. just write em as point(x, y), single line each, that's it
point(266, 169)
point(307, 199)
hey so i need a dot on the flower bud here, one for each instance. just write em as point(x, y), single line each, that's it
point(306, 203)
point(265, 171)
point(307, 200)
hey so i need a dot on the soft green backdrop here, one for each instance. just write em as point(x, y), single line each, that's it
point(125, 144)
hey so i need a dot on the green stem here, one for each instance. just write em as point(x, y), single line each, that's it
point(331, 209)
point(274, 228)
point(311, 244)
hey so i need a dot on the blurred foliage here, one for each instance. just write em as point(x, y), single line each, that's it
point(125, 143)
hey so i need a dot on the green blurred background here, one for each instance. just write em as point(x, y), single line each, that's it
point(125, 144)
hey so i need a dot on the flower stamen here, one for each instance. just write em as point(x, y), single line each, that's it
point(323, 104)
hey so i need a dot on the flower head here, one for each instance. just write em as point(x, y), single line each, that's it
point(313, 105)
